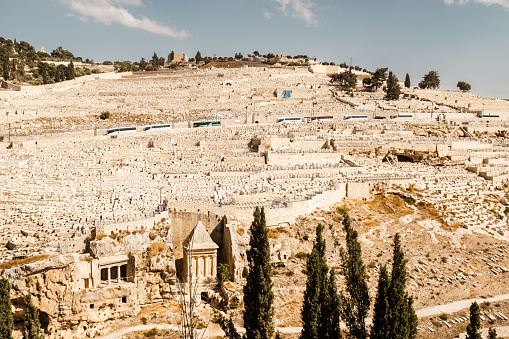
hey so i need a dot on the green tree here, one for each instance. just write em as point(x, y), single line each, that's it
point(320, 310)
point(475, 322)
point(378, 78)
point(347, 80)
point(355, 304)
point(492, 333)
point(407, 81)
point(155, 60)
point(172, 56)
point(393, 87)
point(331, 310)
point(6, 320)
point(31, 327)
point(463, 86)
point(6, 67)
point(258, 295)
point(71, 73)
point(228, 328)
point(380, 313)
point(198, 58)
point(430, 80)
point(402, 322)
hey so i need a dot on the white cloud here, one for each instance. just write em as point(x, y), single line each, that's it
point(111, 11)
point(503, 3)
point(267, 15)
point(299, 9)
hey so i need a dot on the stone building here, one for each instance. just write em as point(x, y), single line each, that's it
point(200, 254)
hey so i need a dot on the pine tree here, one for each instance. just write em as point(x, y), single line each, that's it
point(355, 305)
point(402, 320)
point(6, 320)
point(320, 311)
point(492, 333)
point(31, 328)
point(475, 322)
point(380, 313)
point(393, 87)
point(258, 295)
point(407, 81)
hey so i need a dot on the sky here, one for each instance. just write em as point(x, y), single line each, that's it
point(463, 40)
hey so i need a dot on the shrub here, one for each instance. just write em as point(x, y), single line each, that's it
point(105, 115)
point(144, 321)
point(302, 255)
point(224, 272)
point(444, 316)
point(152, 332)
point(156, 248)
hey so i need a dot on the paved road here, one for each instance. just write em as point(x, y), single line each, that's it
point(214, 329)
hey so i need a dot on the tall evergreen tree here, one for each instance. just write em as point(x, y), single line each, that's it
point(354, 305)
point(6, 67)
point(330, 314)
point(393, 87)
point(320, 311)
point(492, 333)
point(380, 313)
point(198, 57)
point(6, 320)
point(258, 295)
point(71, 74)
point(475, 322)
point(316, 271)
point(402, 322)
point(31, 328)
point(407, 81)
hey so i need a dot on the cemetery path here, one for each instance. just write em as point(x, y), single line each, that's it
point(214, 330)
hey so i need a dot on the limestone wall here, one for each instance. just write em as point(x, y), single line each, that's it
point(183, 222)
point(274, 158)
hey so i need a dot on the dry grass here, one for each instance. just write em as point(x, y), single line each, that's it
point(275, 232)
point(18, 262)
point(156, 248)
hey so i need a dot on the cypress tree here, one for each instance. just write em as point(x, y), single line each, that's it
point(6, 67)
point(31, 328)
point(354, 305)
point(407, 81)
point(70, 71)
point(316, 271)
point(402, 322)
point(380, 313)
point(492, 333)
point(320, 310)
point(228, 328)
point(6, 320)
point(330, 327)
point(258, 295)
point(475, 322)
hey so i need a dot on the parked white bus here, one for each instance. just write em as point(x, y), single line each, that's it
point(121, 130)
point(403, 116)
point(288, 120)
point(156, 127)
point(355, 117)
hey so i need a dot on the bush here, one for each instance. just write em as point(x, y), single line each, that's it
point(302, 255)
point(444, 316)
point(105, 115)
point(224, 272)
point(144, 321)
point(152, 332)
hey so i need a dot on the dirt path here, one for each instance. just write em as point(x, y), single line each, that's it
point(213, 330)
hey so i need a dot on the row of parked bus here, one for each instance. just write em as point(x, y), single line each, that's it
point(148, 128)
point(346, 117)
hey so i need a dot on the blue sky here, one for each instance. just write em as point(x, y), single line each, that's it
point(465, 40)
